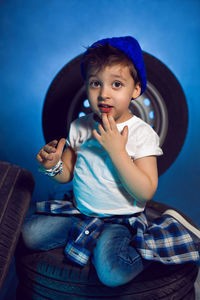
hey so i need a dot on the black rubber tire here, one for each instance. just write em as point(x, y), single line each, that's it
point(48, 275)
point(171, 91)
point(16, 187)
point(66, 93)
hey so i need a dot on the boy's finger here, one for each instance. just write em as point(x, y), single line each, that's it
point(101, 129)
point(39, 158)
point(112, 122)
point(49, 149)
point(96, 135)
point(105, 121)
point(124, 132)
point(44, 155)
point(61, 145)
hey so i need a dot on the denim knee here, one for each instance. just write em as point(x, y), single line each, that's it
point(40, 232)
point(115, 260)
point(120, 270)
point(31, 236)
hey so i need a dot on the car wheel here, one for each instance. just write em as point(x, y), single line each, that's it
point(163, 105)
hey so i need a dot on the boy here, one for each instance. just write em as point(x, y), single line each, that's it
point(112, 160)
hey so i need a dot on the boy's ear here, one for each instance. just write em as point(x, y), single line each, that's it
point(137, 90)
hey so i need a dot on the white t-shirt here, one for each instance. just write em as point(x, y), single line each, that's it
point(97, 188)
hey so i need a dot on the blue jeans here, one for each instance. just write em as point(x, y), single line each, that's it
point(115, 260)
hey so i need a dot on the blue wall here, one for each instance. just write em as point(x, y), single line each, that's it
point(37, 38)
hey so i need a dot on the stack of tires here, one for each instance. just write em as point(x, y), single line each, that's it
point(48, 275)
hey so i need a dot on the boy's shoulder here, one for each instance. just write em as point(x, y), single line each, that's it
point(137, 123)
point(80, 131)
point(139, 129)
point(81, 128)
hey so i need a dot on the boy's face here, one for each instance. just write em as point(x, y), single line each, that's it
point(110, 91)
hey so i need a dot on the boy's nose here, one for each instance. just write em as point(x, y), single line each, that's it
point(103, 94)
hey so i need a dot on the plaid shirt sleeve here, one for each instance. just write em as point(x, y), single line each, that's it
point(82, 240)
point(57, 207)
point(164, 240)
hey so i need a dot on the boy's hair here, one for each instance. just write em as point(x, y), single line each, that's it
point(106, 55)
point(125, 50)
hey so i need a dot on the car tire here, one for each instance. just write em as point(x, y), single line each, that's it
point(163, 105)
point(48, 275)
point(16, 187)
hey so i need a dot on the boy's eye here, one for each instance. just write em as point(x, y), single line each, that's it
point(117, 84)
point(94, 83)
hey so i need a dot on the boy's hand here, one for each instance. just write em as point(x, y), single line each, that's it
point(49, 155)
point(109, 136)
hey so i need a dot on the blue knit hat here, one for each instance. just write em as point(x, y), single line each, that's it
point(131, 48)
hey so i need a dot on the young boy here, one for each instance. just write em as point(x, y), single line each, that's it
point(111, 158)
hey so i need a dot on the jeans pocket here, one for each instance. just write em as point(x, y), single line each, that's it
point(128, 253)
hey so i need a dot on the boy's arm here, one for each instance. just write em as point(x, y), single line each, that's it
point(69, 160)
point(49, 156)
point(139, 177)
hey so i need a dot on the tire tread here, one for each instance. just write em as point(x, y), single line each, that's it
point(16, 187)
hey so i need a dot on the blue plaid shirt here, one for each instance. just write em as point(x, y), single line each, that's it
point(164, 239)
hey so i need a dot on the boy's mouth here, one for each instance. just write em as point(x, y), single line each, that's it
point(105, 108)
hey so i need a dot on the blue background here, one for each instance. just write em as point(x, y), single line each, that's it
point(37, 38)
